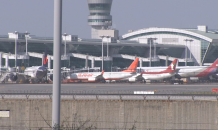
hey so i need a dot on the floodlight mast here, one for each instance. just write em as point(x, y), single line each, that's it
point(186, 51)
point(16, 37)
point(102, 52)
point(26, 36)
point(107, 44)
point(65, 44)
point(190, 48)
point(186, 40)
point(57, 66)
point(150, 40)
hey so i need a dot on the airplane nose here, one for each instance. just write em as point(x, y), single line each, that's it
point(68, 77)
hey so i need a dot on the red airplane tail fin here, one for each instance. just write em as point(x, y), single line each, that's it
point(172, 67)
point(45, 59)
point(215, 63)
point(133, 66)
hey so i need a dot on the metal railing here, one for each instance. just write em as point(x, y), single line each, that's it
point(112, 92)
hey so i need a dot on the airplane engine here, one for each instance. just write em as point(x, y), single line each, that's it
point(13, 77)
point(51, 77)
point(215, 76)
point(91, 79)
point(178, 76)
point(132, 79)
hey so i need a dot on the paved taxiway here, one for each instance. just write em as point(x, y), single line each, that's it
point(207, 87)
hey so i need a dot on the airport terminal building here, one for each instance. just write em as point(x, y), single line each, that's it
point(153, 46)
point(200, 44)
point(81, 53)
point(157, 46)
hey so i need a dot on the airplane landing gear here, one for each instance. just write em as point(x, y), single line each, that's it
point(177, 82)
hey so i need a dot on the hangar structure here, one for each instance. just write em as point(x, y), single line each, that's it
point(201, 45)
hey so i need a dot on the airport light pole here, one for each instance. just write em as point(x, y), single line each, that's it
point(16, 49)
point(151, 39)
point(150, 53)
point(26, 36)
point(190, 48)
point(102, 52)
point(107, 44)
point(65, 44)
point(57, 65)
point(186, 40)
point(186, 52)
point(154, 47)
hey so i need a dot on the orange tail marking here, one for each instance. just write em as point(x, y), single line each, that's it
point(133, 66)
point(102, 72)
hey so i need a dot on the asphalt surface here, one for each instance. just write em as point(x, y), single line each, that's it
point(110, 87)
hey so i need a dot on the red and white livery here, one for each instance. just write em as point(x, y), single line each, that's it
point(148, 75)
point(97, 76)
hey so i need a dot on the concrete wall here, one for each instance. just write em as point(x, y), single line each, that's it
point(116, 114)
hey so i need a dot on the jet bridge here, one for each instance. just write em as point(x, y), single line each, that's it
point(67, 57)
point(7, 56)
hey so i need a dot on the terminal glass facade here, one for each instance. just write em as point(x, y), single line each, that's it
point(204, 47)
point(211, 53)
point(100, 14)
point(98, 6)
point(98, 20)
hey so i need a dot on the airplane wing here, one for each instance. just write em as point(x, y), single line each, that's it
point(96, 77)
point(137, 76)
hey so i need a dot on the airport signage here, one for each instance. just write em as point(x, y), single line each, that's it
point(143, 92)
point(4, 113)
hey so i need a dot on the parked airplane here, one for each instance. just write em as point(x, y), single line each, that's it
point(201, 72)
point(30, 73)
point(97, 76)
point(157, 75)
point(189, 71)
point(36, 72)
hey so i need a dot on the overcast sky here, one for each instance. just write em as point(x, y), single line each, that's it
point(36, 16)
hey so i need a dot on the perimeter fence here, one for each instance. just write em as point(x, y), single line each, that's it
point(109, 92)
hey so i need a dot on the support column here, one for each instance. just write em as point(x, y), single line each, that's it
point(86, 64)
point(166, 62)
point(141, 62)
point(93, 62)
point(49, 62)
point(56, 93)
point(42, 59)
point(6, 61)
point(0, 60)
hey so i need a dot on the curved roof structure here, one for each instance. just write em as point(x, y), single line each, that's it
point(207, 36)
point(203, 40)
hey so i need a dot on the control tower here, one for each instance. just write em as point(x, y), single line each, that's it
point(99, 17)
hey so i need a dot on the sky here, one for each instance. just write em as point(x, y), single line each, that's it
point(36, 16)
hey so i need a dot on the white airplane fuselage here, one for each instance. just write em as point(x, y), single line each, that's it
point(84, 75)
point(117, 75)
point(35, 72)
point(183, 72)
point(104, 76)
point(157, 76)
